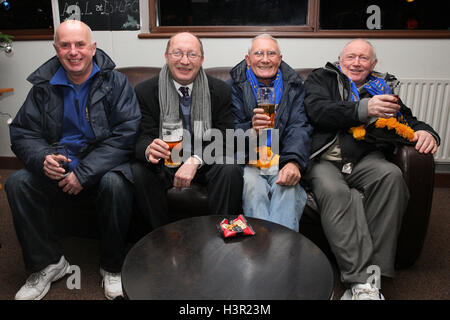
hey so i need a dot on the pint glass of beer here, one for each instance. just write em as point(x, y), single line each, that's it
point(172, 134)
point(266, 101)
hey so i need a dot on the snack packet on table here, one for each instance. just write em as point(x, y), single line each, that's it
point(236, 227)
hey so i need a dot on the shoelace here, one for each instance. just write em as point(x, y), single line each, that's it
point(367, 293)
point(112, 278)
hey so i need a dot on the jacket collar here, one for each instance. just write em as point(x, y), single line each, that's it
point(238, 73)
point(334, 67)
point(46, 72)
point(60, 77)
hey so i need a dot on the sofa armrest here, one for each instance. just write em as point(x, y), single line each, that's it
point(418, 172)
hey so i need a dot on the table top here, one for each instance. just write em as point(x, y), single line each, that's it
point(188, 259)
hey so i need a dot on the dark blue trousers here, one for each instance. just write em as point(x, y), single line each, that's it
point(33, 200)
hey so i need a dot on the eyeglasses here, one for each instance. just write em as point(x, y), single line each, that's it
point(270, 54)
point(178, 55)
point(352, 57)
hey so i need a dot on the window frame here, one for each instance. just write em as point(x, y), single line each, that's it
point(30, 34)
point(310, 30)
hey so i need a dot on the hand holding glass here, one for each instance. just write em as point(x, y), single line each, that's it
point(394, 92)
point(266, 101)
point(60, 149)
point(172, 134)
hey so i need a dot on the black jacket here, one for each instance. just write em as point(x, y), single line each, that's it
point(147, 95)
point(332, 113)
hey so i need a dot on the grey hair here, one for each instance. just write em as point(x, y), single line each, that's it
point(374, 57)
point(264, 36)
point(91, 35)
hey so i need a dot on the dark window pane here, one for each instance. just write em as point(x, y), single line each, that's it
point(394, 14)
point(232, 12)
point(102, 14)
point(27, 14)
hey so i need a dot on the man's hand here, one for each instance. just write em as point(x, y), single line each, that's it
point(260, 120)
point(290, 174)
point(52, 168)
point(425, 142)
point(186, 173)
point(158, 149)
point(382, 106)
point(70, 184)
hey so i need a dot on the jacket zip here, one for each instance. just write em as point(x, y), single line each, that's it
point(341, 91)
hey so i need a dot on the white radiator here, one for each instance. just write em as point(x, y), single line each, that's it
point(430, 102)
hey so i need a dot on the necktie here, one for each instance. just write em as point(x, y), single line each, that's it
point(185, 92)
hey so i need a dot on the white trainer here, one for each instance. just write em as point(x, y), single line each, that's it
point(112, 284)
point(364, 291)
point(38, 283)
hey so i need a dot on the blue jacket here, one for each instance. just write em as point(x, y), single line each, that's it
point(113, 114)
point(290, 119)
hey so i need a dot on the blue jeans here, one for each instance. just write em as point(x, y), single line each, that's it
point(264, 199)
point(33, 199)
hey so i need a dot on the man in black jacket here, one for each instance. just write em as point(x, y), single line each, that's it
point(183, 91)
point(348, 104)
point(77, 100)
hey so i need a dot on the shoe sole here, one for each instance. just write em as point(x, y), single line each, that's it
point(60, 275)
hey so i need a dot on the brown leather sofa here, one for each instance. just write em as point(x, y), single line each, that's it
point(418, 172)
point(417, 169)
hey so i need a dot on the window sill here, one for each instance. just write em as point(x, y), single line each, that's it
point(164, 32)
point(30, 34)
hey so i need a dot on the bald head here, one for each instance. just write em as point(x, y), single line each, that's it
point(71, 25)
point(357, 60)
point(75, 49)
point(185, 35)
point(361, 42)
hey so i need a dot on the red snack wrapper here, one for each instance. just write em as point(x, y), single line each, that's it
point(236, 227)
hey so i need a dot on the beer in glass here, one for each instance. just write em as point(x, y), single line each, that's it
point(266, 101)
point(172, 134)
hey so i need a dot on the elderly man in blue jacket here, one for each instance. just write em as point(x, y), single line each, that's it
point(78, 100)
point(274, 195)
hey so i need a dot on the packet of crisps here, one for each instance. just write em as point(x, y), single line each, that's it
point(236, 227)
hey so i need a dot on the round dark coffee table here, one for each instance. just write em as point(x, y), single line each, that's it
point(188, 259)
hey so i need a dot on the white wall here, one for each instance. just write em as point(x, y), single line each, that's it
point(406, 58)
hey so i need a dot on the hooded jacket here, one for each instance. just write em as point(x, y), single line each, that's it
point(113, 113)
point(290, 119)
point(332, 113)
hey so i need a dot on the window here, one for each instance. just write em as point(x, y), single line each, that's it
point(27, 19)
point(232, 13)
point(392, 15)
point(302, 18)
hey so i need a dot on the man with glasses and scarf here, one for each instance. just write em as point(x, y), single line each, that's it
point(272, 190)
point(183, 90)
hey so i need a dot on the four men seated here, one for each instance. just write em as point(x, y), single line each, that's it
point(321, 133)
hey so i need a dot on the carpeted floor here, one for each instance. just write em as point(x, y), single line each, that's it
point(428, 279)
